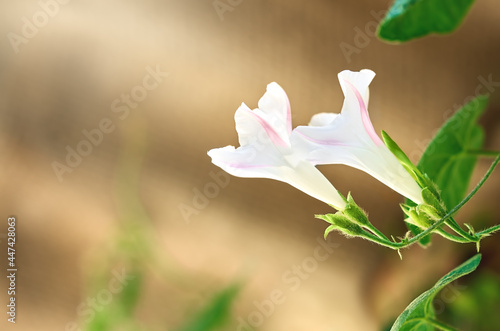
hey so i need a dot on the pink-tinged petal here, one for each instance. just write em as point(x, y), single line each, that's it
point(288, 115)
point(249, 130)
point(326, 142)
point(247, 157)
point(271, 132)
point(323, 119)
point(275, 108)
point(250, 163)
point(364, 116)
point(360, 79)
point(349, 138)
point(272, 117)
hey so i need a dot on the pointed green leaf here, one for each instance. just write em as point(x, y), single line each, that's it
point(409, 19)
point(417, 315)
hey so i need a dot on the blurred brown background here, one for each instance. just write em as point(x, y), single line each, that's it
point(66, 76)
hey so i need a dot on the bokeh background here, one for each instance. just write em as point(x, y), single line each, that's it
point(133, 206)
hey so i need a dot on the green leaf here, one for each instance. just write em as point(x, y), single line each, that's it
point(419, 315)
point(409, 19)
point(446, 160)
point(216, 313)
point(477, 308)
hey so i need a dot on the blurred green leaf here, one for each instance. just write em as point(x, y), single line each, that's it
point(477, 308)
point(119, 312)
point(409, 19)
point(216, 313)
point(419, 315)
point(446, 160)
point(130, 294)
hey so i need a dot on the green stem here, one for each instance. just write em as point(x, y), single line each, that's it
point(380, 241)
point(377, 232)
point(434, 226)
point(489, 230)
point(460, 205)
point(479, 152)
point(451, 237)
point(458, 229)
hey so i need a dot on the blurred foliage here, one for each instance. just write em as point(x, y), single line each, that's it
point(449, 159)
point(118, 315)
point(215, 314)
point(132, 251)
point(409, 19)
point(420, 314)
point(131, 248)
point(478, 307)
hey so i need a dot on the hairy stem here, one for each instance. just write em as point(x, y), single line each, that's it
point(489, 230)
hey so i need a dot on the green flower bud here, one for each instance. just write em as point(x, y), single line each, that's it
point(354, 213)
point(419, 219)
point(341, 223)
point(431, 186)
point(431, 199)
point(431, 212)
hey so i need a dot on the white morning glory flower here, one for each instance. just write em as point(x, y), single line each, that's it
point(349, 138)
point(266, 149)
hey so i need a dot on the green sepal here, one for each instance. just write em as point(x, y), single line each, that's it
point(420, 219)
point(402, 158)
point(354, 213)
point(431, 199)
point(430, 185)
point(405, 208)
point(430, 211)
point(470, 228)
point(341, 223)
point(328, 230)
